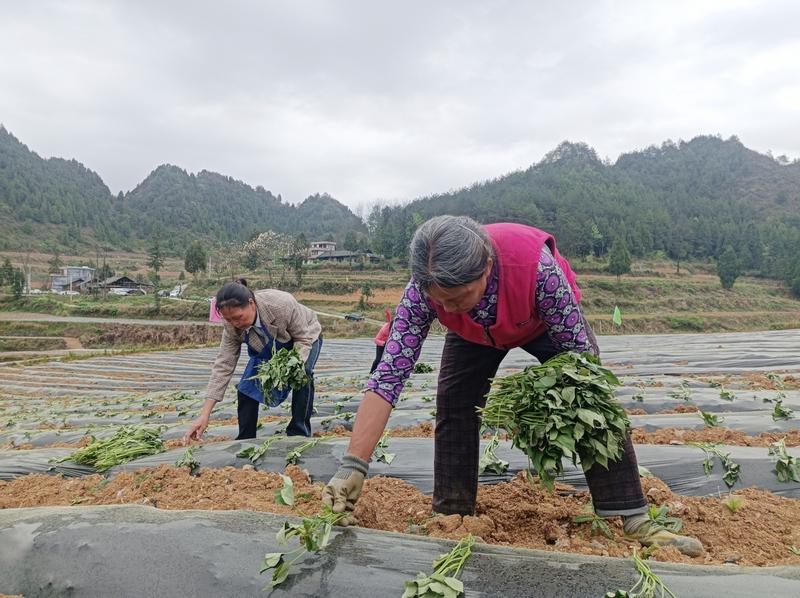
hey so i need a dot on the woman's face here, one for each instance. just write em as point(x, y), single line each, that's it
point(240, 317)
point(461, 299)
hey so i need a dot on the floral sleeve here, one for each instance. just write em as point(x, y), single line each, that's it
point(410, 327)
point(557, 307)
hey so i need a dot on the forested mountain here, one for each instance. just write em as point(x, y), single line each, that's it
point(688, 200)
point(34, 191)
point(40, 196)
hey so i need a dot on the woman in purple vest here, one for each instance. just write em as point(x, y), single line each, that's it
point(494, 287)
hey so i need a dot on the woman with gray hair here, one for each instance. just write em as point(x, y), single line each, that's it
point(494, 287)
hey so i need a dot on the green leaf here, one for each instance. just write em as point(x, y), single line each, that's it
point(272, 559)
point(285, 495)
point(280, 574)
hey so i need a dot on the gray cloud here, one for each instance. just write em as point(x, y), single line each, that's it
point(371, 100)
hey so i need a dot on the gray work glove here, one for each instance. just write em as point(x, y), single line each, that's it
point(343, 490)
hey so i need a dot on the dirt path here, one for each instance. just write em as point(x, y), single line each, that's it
point(73, 343)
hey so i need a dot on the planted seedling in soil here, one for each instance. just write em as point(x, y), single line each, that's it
point(490, 461)
point(444, 580)
point(646, 586)
point(127, 444)
point(254, 453)
point(189, 460)
point(312, 533)
point(659, 515)
point(780, 412)
point(562, 408)
point(733, 503)
point(726, 395)
point(599, 525)
point(683, 392)
point(380, 454)
point(285, 495)
point(710, 420)
point(422, 368)
point(286, 369)
point(293, 456)
point(786, 467)
point(732, 469)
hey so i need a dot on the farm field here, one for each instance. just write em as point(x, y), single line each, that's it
point(748, 384)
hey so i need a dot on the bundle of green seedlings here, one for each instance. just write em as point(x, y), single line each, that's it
point(286, 369)
point(786, 467)
point(127, 444)
point(732, 469)
point(443, 582)
point(312, 533)
point(562, 408)
point(649, 585)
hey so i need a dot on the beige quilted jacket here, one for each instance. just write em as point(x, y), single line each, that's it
point(283, 317)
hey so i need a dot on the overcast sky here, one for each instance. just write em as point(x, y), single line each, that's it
point(371, 100)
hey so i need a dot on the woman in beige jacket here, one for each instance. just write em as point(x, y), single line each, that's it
point(262, 320)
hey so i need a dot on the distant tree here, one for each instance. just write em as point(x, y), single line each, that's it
point(104, 271)
point(196, 259)
point(6, 271)
point(298, 255)
point(728, 267)
point(366, 294)
point(678, 245)
point(250, 260)
point(55, 262)
point(351, 241)
point(182, 275)
point(17, 282)
point(598, 241)
point(155, 261)
point(619, 258)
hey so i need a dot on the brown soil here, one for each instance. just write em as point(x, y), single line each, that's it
point(176, 442)
point(85, 440)
point(636, 411)
point(423, 430)
point(681, 409)
point(513, 513)
point(166, 487)
point(234, 421)
point(719, 435)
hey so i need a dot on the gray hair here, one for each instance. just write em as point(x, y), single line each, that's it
point(449, 251)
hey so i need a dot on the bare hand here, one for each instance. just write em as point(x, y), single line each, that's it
point(195, 431)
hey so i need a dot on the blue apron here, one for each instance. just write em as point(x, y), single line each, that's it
point(249, 387)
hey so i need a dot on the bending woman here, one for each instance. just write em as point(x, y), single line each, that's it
point(494, 287)
point(261, 320)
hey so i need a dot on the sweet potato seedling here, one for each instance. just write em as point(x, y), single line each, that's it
point(312, 534)
point(286, 369)
point(564, 407)
point(649, 585)
point(490, 461)
point(380, 453)
point(732, 469)
point(443, 582)
point(786, 466)
point(598, 524)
